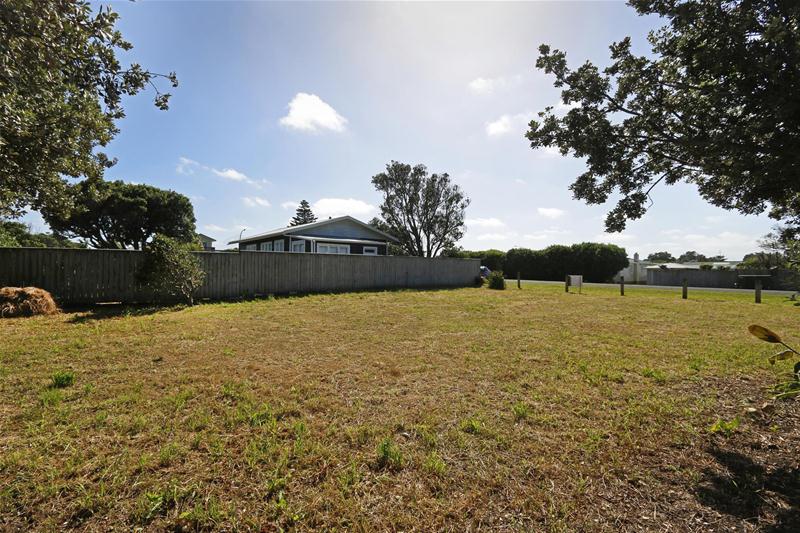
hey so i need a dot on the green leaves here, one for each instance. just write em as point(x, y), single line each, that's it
point(712, 105)
point(61, 90)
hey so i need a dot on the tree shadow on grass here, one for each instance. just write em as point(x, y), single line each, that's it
point(740, 487)
point(107, 311)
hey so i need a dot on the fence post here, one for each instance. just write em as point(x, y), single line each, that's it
point(622, 285)
point(758, 290)
point(519, 280)
point(566, 283)
point(685, 288)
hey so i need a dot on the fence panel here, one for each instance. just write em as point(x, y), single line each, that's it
point(81, 276)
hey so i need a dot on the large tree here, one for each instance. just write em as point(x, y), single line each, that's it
point(303, 214)
point(715, 105)
point(115, 214)
point(664, 257)
point(61, 89)
point(425, 211)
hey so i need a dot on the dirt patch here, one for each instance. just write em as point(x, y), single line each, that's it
point(26, 301)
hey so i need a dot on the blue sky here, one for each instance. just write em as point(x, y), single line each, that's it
point(284, 101)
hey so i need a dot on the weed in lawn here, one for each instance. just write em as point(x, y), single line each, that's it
point(473, 426)
point(521, 411)
point(62, 379)
point(389, 456)
point(169, 454)
point(656, 375)
point(434, 464)
point(725, 427)
point(50, 397)
point(349, 478)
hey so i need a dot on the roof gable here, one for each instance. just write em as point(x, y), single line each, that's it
point(343, 227)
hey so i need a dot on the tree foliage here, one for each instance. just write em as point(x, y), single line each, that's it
point(491, 259)
point(661, 257)
point(394, 248)
point(596, 262)
point(303, 215)
point(17, 234)
point(425, 211)
point(694, 257)
point(170, 269)
point(61, 90)
point(715, 105)
point(115, 214)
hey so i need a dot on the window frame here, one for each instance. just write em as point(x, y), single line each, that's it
point(373, 252)
point(298, 244)
point(337, 247)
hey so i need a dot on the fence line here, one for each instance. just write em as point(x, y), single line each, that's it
point(81, 276)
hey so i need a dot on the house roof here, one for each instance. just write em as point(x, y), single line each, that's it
point(204, 237)
point(290, 230)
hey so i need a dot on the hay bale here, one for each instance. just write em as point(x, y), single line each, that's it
point(26, 301)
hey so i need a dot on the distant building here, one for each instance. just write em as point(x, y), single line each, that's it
point(340, 235)
point(206, 241)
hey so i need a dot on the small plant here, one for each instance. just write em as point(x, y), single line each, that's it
point(472, 426)
point(62, 379)
point(435, 464)
point(496, 280)
point(726, 428)
point(784, 390)
point(389, 456)
point(521, 411)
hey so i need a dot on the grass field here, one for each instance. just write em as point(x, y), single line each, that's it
point(450, 409)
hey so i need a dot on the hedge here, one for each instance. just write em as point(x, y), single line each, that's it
point(596, 262)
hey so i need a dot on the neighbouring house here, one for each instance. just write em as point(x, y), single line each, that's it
point(206, 241)
point(340, 235)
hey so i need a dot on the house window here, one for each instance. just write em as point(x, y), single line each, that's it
point(250, 247)
point(266, 246)
point(278, 246)
point(370, 250)
point(299, 246)
point(333, 248)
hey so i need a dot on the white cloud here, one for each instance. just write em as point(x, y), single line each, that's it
point(520, 181)
point(545, 234)
point(308, 112)
point(508, 124)
point(186, 165)
point(486, 86)
point(561, 106)
point(548, 151)
point(255, 201)
point(550, 212)
point(290, 205)
point(335, 207)
point(484, 223)
point(231, 174)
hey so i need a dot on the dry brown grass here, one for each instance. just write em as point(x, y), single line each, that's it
point(436, 410)
point(26, 301)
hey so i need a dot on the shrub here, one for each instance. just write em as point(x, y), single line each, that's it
point(170, 269)
point(706, 266)
point(491, 259)
point(496, 280)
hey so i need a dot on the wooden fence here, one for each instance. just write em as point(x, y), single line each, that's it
point(76, 276)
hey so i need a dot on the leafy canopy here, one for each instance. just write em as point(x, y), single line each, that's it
point(61, 89)
point(115, 214)
point(303, 214)
point(715, 105)
point(664, 257)
point(16, 234)
point(425, 211)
